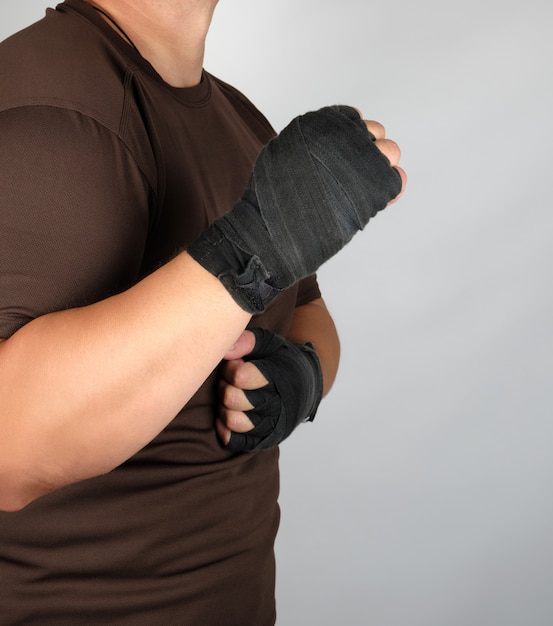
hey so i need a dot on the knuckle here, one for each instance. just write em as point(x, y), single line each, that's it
point(377, 129)
point(380, 128)
point(231, 420)
point(244, 375)
point(390, 149)
point(241, 377)
point(230, 396)
point(237, 421)
point(395, 151)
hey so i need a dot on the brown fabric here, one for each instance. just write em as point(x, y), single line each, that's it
point(105, 172)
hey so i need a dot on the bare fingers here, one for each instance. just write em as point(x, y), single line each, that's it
point(376, 129)
point(237, 376)
point(390, 149)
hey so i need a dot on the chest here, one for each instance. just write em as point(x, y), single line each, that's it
point(204, 157)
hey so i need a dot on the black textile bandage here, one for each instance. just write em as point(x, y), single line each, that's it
point(312, 188)
point(291, 396)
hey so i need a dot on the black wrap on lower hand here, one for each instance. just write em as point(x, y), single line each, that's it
point(291, 396)
point(312, 188)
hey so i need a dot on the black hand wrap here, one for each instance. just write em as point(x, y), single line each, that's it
point(292, 395)
point(312, 188)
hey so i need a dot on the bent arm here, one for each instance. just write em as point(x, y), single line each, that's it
point(313, 322)
point(84, 389)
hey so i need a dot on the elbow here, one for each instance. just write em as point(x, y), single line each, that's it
point(17, 493)
point(13, 500)
point(12, 503)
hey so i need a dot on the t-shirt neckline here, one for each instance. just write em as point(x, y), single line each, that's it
point(196, 95)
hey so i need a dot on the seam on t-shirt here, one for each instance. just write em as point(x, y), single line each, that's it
point(135, 62)
point(125, 119)
point(81, 110)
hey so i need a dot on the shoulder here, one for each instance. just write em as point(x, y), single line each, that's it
point(62, 61)
point(66, 65)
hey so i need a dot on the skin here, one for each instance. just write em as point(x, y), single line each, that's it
point(170, 34)
point(82, 390)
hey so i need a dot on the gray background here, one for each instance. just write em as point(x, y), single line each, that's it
point(422, 495)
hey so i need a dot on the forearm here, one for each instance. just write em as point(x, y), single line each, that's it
point(84, 389)
point(312, 322)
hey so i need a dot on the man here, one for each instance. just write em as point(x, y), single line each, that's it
point(118, 150)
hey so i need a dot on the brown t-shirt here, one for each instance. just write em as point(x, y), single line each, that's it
point(106, 172)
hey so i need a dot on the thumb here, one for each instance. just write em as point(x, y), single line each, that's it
point(242, 346)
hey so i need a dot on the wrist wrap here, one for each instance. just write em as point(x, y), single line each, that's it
point(312, 188)
point(291, 396)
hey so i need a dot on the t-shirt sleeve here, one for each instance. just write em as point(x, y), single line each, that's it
point(74, 213)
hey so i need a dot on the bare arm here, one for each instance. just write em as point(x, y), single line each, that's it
point(84, 389)
point(312, 322)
